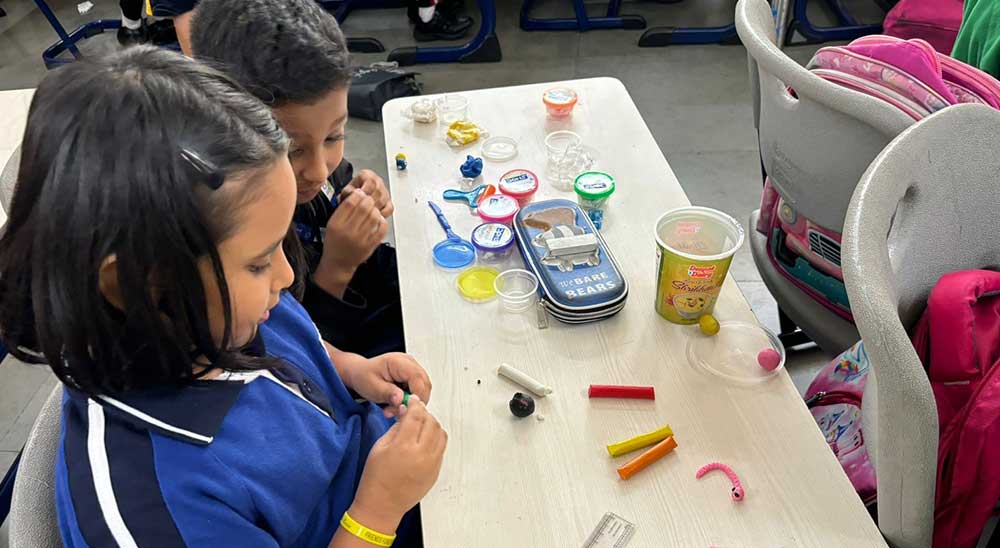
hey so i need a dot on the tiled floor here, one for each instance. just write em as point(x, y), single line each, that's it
point(695, 99)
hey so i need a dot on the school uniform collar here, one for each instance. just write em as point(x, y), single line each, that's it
point(191, 413)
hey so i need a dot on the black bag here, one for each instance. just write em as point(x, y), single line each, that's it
point(376, 84)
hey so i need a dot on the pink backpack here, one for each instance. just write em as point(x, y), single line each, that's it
point(936, 21)
point(958, 341)
point(908, 74)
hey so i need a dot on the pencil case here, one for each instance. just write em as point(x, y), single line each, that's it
point(579, 280)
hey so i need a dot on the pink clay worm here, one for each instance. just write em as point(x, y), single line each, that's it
point(737, 491)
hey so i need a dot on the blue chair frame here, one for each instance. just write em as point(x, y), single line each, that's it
point(847, 27)
point(484, 47)
point(581, 21)
point(67, 41)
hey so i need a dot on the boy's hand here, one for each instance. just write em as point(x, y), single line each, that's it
point(376, 380)
point(353, 232)
point(402, 467)
point(371, 184)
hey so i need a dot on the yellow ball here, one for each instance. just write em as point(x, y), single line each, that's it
point(708, 324)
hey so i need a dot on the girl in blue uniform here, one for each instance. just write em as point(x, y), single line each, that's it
point(144, 261)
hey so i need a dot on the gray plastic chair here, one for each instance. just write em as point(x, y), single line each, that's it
point(927, 206)
point(33, 508)
point(8, 178)
point(815, 149)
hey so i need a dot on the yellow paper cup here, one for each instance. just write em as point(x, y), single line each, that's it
point(694, 248)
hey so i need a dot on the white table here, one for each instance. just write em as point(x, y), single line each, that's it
point(524, 483)
point(13, 115)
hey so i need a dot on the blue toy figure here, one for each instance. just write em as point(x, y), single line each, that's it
point(472, 168)
point(401, 162)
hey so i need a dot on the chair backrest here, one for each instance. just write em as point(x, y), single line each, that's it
point(8, 178)
point(816, 144)
point(928, 205)
point(33, 509)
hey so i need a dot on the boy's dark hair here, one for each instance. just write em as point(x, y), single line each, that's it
point(106, 170)
point(282, 51)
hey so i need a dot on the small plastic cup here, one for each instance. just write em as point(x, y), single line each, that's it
point(519, 184)
point(498, 208)
point(451, 108)
point(557, 142)
point(559, 101)
point(494, 243)
point(517, 289)
point(694, 248)
point(593, 190)
point(567, 158)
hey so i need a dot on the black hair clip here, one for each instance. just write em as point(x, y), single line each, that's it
point(213, 177)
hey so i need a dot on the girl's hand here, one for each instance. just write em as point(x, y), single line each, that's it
point(353, 232)
point(402, 467)
point(371, 184)
point(376, 380)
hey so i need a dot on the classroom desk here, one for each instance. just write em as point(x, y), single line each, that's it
point(13, 115)
point(546, 484)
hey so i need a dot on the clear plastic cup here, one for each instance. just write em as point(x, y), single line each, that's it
point(451, 108)
point(694, 248)
point(567, 158)
point(517, 289)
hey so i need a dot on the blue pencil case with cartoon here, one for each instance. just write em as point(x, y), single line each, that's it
point(578, 277)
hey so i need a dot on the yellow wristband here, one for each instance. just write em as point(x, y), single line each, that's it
point(364, 533)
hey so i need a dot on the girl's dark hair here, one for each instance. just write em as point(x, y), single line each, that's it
point(106, 170)
point(282, 51)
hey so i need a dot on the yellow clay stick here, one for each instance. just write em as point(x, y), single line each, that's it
point(640, 441)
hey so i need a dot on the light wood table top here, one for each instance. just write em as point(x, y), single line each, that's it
point(539, 484)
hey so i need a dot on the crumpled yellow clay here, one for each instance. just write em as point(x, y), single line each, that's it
point(463, 132)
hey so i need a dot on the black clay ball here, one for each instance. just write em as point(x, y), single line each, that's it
point(521, 405)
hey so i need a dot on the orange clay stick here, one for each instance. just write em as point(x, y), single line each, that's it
point(648, 457)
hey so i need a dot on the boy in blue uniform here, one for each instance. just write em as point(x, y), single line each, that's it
point(202, 407)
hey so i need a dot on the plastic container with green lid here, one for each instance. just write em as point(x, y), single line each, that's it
point(593, 189)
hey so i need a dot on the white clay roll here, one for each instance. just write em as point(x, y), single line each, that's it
point(524, 380)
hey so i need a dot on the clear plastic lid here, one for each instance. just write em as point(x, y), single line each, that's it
point(732, 352)
point(499, 148)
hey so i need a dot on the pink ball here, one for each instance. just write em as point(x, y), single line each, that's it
point(769, 359)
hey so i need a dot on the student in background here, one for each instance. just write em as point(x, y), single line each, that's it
point(432, 20)
point(978, 42)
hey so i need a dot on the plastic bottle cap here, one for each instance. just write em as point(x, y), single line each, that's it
point(594, 185)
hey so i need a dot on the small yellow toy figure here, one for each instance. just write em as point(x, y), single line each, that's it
point(401, 162)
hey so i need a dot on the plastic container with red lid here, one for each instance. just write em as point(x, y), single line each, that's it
point(498, 208)
point(519, 184)
point(559, 101)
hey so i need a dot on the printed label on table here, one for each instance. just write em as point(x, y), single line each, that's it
point(613, 531)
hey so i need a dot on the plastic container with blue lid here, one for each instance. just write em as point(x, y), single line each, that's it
point(494, 242)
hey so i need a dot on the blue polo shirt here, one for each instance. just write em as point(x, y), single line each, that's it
point(264, 459)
